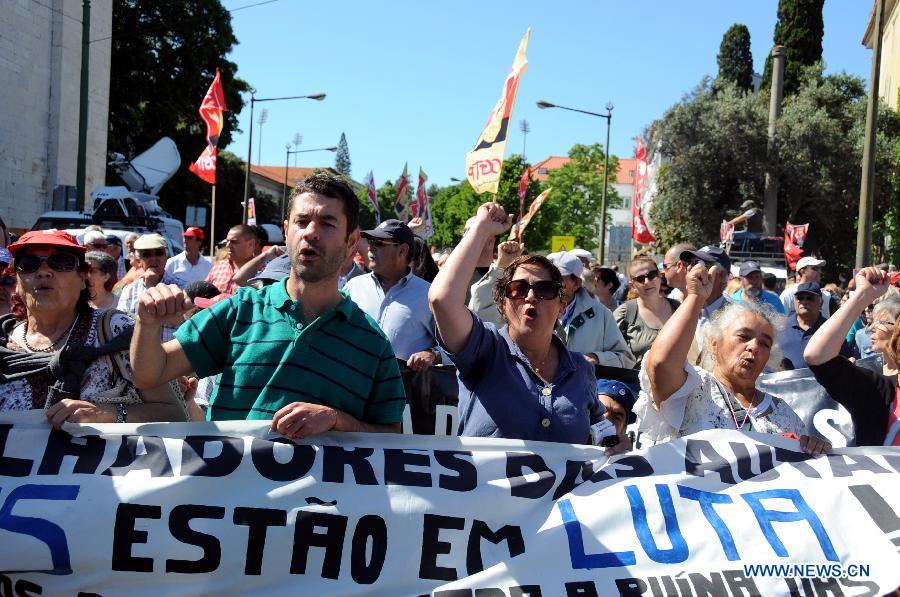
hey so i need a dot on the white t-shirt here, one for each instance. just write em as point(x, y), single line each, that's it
point(180, 267)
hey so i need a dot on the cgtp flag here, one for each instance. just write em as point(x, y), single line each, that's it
point(639, 230)
point(519, 228)
point(402, 203)
point(794, 237)
point(418, 206)
point(211, 112)
point(251, 212)
point(373, 196)
point(484, 162)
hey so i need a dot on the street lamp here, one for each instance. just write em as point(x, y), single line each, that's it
point(543, 105)
point(315, 96)
point(287, 156)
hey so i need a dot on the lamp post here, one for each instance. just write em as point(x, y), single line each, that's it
point(316, 96)
point(543, 105)
point(287, 156)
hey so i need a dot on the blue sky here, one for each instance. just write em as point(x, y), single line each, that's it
point(415, 81)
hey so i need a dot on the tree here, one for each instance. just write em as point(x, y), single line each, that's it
point(342, 158)
point(800, 28)
point(164, 57)
point(716, 145)
point(734, 59)
point(573, 207)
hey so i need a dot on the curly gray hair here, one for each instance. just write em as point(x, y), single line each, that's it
point(724, 318)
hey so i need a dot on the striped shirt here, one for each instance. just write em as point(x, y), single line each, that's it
point(269, 357)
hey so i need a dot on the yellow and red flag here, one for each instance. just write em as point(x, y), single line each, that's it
point(519, 228)
point(523, 190)
point(211, 112)
point(373, 195)
point(484, 162)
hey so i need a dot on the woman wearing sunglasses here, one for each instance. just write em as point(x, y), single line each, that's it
point(640, 319)
point(518, 382)
point(871, 398)
point(47, 356)
point(678, 399)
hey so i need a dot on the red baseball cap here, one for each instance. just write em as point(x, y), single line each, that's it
point(195, 232)
point(895, 280)
point(205, 303)
point(51, 237)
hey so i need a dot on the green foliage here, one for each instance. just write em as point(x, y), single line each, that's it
point(799, 29)
point(164, 57)
point(716, 143)
point(734, 59)
point(573, 207)
point(342, 158)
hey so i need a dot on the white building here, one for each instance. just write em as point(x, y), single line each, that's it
point(40, 74)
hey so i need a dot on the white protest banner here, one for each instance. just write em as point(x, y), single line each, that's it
point(229, 508)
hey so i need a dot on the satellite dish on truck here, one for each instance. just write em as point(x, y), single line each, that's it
point(149, 171)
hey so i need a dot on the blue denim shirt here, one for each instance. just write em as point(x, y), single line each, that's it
point(500, 395)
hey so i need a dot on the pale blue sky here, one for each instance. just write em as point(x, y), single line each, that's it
point(414, 81)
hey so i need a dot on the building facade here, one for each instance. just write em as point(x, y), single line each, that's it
point(40, 76)
point(889, 70)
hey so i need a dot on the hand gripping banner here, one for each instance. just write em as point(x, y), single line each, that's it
point(229, 508)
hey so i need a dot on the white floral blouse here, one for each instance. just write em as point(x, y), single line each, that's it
point(700, 404)
point(101, 382)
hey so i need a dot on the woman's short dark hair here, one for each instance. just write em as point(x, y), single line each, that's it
point(106, 264)
point(606, 276)
point(422, 263)
point(334, 187)
point(510, 271)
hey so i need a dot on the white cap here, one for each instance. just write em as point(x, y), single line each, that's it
point(92, 236)
point(581, 254)
point(150, 241)
point(807, 261)
point(567, 263)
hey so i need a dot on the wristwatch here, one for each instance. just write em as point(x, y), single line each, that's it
point(121, 413)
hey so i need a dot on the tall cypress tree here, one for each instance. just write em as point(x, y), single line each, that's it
point(735, 60)
point(799, 29)
point(342, 159)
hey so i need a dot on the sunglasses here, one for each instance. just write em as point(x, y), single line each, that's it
point(375, 242)
point(146, 253)
point(58, 262)
point(544, 290)
point(805, 296)
point(643, 278)
point(97, 245)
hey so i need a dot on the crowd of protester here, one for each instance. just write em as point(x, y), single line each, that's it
point(319, 334)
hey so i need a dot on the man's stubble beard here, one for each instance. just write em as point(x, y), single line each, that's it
point(329, 264)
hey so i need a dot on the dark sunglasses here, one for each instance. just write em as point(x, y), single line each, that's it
point(375, 242)
point(544, 290)
point(58, 262)
point(806, 296)
point(146, 253)
point(643, 278)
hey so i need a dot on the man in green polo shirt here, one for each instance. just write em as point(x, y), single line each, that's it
point(298, 351)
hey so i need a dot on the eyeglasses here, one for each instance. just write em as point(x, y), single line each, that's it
point(670, 265)
point(643, 278)
point(375, 242)
point(147, 253)
point(58, 262)
point(544, 290)
point(805, 296)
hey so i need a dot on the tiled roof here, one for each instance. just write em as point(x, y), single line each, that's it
point(276, 174)
point(541, 170)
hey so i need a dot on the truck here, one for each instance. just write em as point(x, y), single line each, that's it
point(133, 207)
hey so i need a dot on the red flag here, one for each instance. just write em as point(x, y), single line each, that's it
point(532, 209)
point(523, 190)
point(639, 230)
point(211, 112)
point(794, 237)
point(373, 196)
point(402, 202)
point(418, 206)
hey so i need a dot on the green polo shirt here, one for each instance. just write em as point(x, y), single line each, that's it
point(269, 357)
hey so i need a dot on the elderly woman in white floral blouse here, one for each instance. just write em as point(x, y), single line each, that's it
point(678, 399)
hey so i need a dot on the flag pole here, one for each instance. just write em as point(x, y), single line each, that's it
point(212, 225)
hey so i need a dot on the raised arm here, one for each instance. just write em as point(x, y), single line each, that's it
point(447, 296)
point(665, 361)
point(248, 270)
point(154, 362)
point(826, 343)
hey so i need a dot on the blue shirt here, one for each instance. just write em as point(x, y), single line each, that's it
point(402, 313)
point(500, 395)
point(793, 340)
point(765, 297)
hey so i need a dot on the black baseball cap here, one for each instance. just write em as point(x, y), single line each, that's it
point(393, 230)
point(809, 288)
point(748, 267)
point(709, 254)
